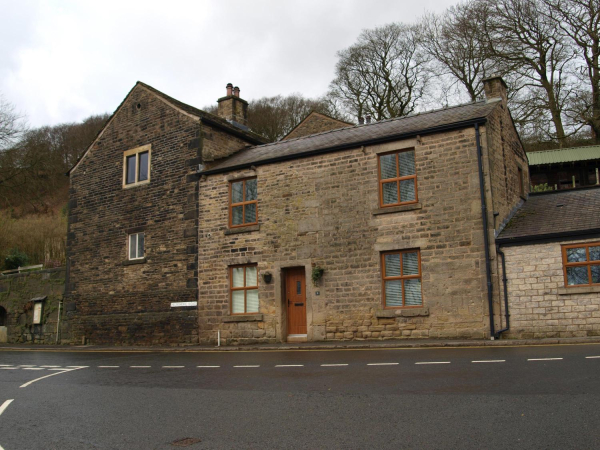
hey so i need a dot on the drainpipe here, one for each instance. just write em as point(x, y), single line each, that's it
point(58, 323)
point(486, 243)
point(504, 283)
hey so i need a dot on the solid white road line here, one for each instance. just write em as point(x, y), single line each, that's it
point(208, 367)
point(173, 367)
point(246, 366)
point(47, 376)
point(139, 367)
point(489, 361)
point(108, 367)
point(333, 365)
point(289, 365)
point(544, 359)
point(433, 362)
point(592, 357)
point(383, 364)
point(5, 405)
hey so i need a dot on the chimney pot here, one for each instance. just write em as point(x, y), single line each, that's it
point(361, 120)
point(229, 88)
point(236, 91)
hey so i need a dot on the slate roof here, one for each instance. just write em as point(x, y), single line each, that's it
point(570, 211)
point(564, 155)
point(386, 130)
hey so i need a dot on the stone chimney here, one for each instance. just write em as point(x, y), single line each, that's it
point(232, 108)
point(495, 88)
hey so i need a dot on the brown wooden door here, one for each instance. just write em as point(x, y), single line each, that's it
point(295, 292)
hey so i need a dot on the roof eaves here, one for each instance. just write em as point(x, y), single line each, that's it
point(548, 237)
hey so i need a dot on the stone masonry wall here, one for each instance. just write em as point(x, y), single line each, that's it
point(324, 211)
point(108, 299)
point(16, 294)
point(313, 124)
point(539, 304)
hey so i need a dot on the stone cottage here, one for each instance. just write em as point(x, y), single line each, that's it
point(185, 226)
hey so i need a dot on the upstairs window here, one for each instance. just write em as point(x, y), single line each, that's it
point(136, 166)
point(243, 203)
point(401, 272)
point(397, 178)
point(136, 246)
point(243, 286)
point(581, 264)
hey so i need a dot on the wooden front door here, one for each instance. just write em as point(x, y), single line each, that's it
point(295, 297)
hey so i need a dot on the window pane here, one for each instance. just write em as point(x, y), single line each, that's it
point(251, 276)
point(388, 166)
point(250, 213)
point(393, 293)
point(406, 161)
point(237, 192)
point(237, 276)
point(237, 302)
point(595, 274)
point(237, 215)
point(392, 265)
point(577, 275)
point(595, 253)
point(410, 264)
point(407, 190)
point(412, 292)
point(390, 193)
point(140, 245)
point(576, 254)
point(132, 246)
point(252, 301)
point(130, 169)
point(143, 170)
point(250, 190)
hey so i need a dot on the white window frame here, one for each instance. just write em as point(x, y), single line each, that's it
point(136, 151)
point(135, 237)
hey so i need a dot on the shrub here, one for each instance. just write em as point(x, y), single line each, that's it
point(15, 259)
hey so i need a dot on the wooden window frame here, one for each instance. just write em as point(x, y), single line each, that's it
point(136, 151)
point(587, 263)
point(397, 179)
point(244, 288)
point(242, 203)
point(136, 246)
point(419, 276)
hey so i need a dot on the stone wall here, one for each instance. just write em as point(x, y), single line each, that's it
point(324, 211)
point(109, 299)
point(17, 292)
point(539, 304)
point(315, 123)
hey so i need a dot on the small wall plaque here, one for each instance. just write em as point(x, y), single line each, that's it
point(182, 304)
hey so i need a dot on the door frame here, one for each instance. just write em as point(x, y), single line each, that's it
point(285, 299)
point(281, 301)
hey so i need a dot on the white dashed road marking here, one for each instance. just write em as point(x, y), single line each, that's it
point(544, 359)
point(208, 367)
point(9, 368)
point(50, 366)
point(333, 365)
point(290, 365)
point(489, 361)
point(108, 367)
point(33, 368)
point(433, 362)
point(383, 364)
point(245, 366)
point(173, 367)
point(592, 357)
point(140, 367)
point(5, 405)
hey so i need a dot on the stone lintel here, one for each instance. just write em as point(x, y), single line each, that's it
point(401, 312)
point(400, 208)
point(242, 230)
point(578, 290)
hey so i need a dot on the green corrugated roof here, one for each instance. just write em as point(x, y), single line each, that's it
point(564, 155)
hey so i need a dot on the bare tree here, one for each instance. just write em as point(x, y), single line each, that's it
point(383, 74)
point(579, 20)
point(12, 124)
point(520, 35)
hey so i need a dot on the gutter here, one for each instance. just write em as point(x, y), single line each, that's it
point(549, 237)
point(505, 285)
point(393, 137)
point(486, 240)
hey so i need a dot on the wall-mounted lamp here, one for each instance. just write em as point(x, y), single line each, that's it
point(267, 276)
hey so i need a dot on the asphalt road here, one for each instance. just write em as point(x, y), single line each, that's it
point(492, 398)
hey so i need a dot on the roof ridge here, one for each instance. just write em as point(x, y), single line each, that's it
point(375, 123)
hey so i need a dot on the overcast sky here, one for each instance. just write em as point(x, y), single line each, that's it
point(61, 61)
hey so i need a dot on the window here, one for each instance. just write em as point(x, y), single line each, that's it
point(243, 203)
point(243, 285)
point(401, 278)
point(581, 264)
point(136, 166)
point(397, 178)
point(136, 246)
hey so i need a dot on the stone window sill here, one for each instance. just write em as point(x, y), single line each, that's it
point(243, 318)
point(578, 290)
point(131, 262)
point(242, 230)
point(401, 312)
point(400, 208)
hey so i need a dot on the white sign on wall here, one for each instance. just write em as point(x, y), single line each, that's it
point(37, 313)
point(181, 304)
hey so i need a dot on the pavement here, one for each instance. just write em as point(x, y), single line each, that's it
point(325, 345)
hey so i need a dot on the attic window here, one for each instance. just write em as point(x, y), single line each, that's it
point(136, 166)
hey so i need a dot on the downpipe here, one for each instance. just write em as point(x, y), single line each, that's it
point(505, 285)
point(486, 243)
